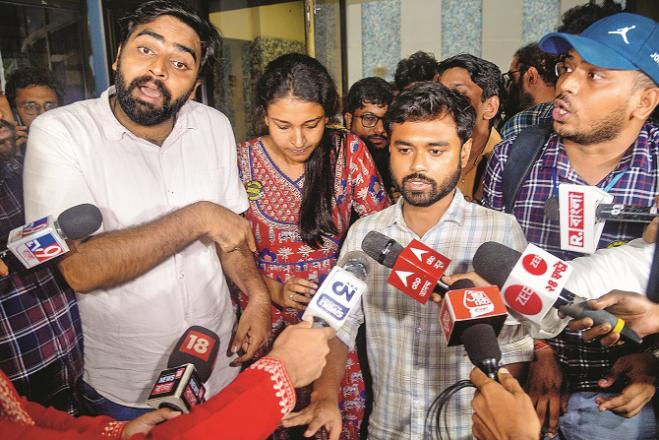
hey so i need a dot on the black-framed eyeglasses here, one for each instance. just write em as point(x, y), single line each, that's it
point(369, 120)
point(33, 108)
point(508, 77)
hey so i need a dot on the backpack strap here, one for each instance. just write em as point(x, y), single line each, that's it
point(522, 154)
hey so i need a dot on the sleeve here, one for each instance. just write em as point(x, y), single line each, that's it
point(493, 181)
point(249, 408)
point(368, 194)
point(52, 177)
point(348, 331)
point(234, 196)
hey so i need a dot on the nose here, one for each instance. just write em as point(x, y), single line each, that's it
point(379, 127)
point(158, 67)
point(298, 139)
point(419, 162)
point(569, 82)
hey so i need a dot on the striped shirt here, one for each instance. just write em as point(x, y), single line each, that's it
point(409, 360)
point(40, 333)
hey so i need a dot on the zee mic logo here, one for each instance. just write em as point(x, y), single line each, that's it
point(523, 299)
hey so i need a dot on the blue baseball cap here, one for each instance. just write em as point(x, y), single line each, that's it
point(621, 41)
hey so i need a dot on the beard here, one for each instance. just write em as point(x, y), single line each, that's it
point(8, 141)
point(437, 192)
point(141, 112)
point(604, 129)
point(517, 99)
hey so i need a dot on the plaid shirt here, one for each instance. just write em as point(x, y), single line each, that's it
point(409, 360)
point(536, 115)
point(584, 362)
point(40, 333)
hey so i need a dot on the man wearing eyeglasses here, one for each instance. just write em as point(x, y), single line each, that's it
point(31, 92)
point(365, 105)
point(607, 88)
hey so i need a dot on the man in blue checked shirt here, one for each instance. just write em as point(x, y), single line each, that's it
point(606, 91)
point(429, 127)
point(40, 333)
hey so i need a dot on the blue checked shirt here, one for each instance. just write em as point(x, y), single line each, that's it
point(409, 360)
point(585, 363)
point(536, 115)
point(40, 333)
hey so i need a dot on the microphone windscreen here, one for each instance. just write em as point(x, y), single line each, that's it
point(494, 262)
point(383, 249)
point(552, 210)
point(198, 346)
point(464, 283)
point(80, 221)
point(357, 263)
point(481, 343)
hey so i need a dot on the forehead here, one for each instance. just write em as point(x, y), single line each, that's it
point(456, 76)
point(36, 92)
point(291, 109)
point(172, 30)
point(441, 128)
point(376, 109)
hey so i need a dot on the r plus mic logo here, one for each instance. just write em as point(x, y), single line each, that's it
point(575, 218)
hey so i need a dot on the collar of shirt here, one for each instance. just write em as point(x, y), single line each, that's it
point(455, 213)
point(114, 131)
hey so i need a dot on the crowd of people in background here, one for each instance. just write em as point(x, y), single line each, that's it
point(199, 229)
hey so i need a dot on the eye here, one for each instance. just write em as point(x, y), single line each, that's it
point(404, 150)
point(595, 75)
point(311, 126)
point(282, 127)
point(435, 151)
point(144, 50)
point(179, 65)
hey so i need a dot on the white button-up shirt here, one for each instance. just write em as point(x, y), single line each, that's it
point(80, 153)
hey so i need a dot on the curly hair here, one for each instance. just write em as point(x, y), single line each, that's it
point(30, 76)
point(420, 66)
point(373, 90)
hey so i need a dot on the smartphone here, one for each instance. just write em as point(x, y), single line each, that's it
point(17, 118)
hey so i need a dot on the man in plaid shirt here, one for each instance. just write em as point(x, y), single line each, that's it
point(40, 333)
point(409, 359)
point(606, 91)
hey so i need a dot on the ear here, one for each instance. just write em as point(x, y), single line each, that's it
point(531, 76)
point(464, 153)
point(116, 60)
point(347, 118)
point(647, 102)
point(194, 90)
point(491, 107)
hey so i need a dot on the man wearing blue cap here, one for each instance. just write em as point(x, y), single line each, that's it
point(605, 93)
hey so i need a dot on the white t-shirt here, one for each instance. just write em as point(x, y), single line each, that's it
point(625, 267)
point(79, 154)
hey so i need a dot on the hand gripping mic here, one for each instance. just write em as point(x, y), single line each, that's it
point(495, 262)
point(180, 387)
point(340, 292)
point(416, 269)
point(44, 239)
point(465, 306)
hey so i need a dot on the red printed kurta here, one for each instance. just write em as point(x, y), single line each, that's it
point(275, 202)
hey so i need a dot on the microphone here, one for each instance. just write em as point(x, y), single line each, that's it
point(482, 347)
point(416, 269)
point(44, 239)
point(340, 292)
point(180, 386)
point(609, 211)
point(495, 262)
point(465, 306)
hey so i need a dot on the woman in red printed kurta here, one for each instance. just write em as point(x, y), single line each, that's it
point(304, 170)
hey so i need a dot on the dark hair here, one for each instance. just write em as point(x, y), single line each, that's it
point(307, 79)
point(576, 20)
point(372, 90)
point(428, 101)
point(30, 76)
point(483, 73)
point(149, 11)
point(532, 56)
point(420, 66)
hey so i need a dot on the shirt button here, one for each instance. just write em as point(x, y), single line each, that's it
point(181, 276)
point(418, 329)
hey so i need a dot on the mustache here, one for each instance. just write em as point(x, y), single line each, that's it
point(145, 79)
point(417, 176)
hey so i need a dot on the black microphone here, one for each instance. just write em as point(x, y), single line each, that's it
point(495, 261)
point(385, 250)
point(44, 239)
point(482, 347)
point(180, 386)
point(609, 211)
